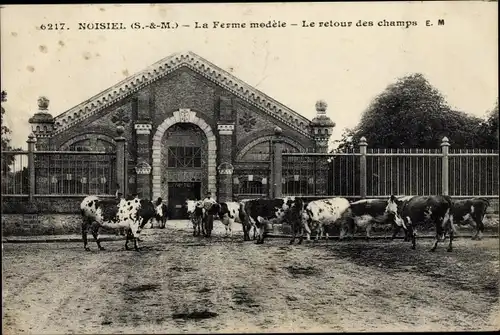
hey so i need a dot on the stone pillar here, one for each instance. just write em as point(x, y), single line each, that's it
point(362, 167)
point(121, 161)
point(31, 165)
point(143, 131)
point(445, 147)
point(225, 182)
point(277, 163)
point(321, 167)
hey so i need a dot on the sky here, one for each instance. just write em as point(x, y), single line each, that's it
point(345, 66)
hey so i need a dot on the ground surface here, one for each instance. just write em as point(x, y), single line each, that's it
point(181, 283)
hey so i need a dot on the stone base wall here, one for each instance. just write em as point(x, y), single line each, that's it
point(43, 216)
point(44, 224)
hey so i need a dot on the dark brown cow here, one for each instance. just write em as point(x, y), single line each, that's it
point(471, 211)
point(419, 209)
point(369, 212)
point(260, 212)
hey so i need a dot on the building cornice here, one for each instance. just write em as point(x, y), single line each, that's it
point(168, 65)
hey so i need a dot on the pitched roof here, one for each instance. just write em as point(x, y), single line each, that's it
point(166, 66)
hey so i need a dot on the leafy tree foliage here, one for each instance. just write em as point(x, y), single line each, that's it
point(411, 113)
point(7, 160)
point(488, 130)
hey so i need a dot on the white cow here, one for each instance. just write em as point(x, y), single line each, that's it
point(229, 213)
point(319, 214)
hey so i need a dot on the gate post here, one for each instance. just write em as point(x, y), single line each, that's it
point(362, 167)
point(31, 165)
point(277, 163)
point(121, 161)
point(445, 144)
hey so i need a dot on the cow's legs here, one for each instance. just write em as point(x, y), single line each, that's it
point(368, 229)
point(302, 230)
point(95, 234)
point(479, 227)
point(136, 244)
point(128, 238)
point(85, 226)
point(395, 231)
point(342, 233)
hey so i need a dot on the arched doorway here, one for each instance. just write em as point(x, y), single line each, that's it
point(184, 160)
point(190, 126)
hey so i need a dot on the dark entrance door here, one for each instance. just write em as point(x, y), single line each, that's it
point(178, 193)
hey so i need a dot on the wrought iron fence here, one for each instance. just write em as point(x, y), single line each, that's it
point(75, 172)
point(378, 173)
point(15, 174)
point(58, 173)
point(473, 172)
point(403, 171)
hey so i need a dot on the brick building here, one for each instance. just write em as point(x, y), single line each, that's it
point(190, 127)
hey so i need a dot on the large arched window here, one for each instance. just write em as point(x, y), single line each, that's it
point(261, 152)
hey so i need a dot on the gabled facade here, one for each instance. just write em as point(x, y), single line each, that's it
point(192, 123)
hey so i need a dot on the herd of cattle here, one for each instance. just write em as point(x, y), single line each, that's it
point(406, 212)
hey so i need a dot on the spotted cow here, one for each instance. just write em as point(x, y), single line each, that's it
point(113, 213)
point(229, 213)
point(319, 214)
point(420, 209)
point(470, 211)
point(160, 213)
point(195, 212)
point(261, 212)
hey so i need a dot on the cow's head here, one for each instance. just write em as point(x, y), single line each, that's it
point(190, 205)
point(393, 211)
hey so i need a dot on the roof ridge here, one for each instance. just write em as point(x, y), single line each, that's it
point(167, 65)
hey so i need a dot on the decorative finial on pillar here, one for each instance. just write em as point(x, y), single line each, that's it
point(42, 123)
point(321, 107)
point(445, 142)
point(120, 130)
point(278, 131)
point(362, 141)
point(43, 104)
point(31, 138)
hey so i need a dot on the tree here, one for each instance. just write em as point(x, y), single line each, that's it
point(488, 130)
point(411, 113)
point(7, 159)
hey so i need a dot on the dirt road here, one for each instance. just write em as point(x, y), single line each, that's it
point(179, 283)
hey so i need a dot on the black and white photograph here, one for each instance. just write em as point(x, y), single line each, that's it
point(250, 167)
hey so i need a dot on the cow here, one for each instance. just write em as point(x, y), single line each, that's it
point(161, 213)
point(364, 214)
point(419, 209)
point(319, 214)
point(260, 212)
point(130, 214)
point(195, 213)
point(229, 213)
point(470, 211)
